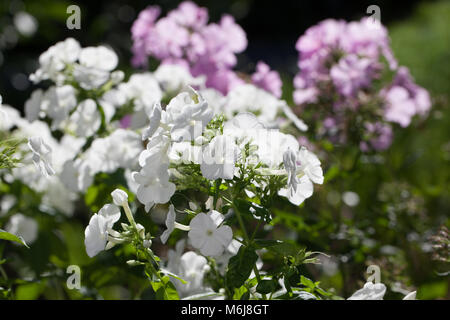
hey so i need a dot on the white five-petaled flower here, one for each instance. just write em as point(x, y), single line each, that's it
point(95, 66)
point(100, 226)
point(154, 186)
point(42, 154)
point(207, 236)
point(171, 224)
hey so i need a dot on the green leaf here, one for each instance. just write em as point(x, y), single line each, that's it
point(173, 275)
point(307, 282)
point(165, 290)
point(266, 286)
point(240, 267)
point(241, 293)
point(30, 291)
point(12, 237)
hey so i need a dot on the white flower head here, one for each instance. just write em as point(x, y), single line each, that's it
point(173, 78)
point(303, 168)
point(206, 236)
point(99, 57)
point(192, 269)
point(249, 98)
point(90, 78)
point(154, 186)
point(42, 155)
point(100, 225)
point(55, 59)
point(188, 114)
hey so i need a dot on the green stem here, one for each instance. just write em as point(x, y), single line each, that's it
point(248, 242)
point(129, 215)
point(241, 224)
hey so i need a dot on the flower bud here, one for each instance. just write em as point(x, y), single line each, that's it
point(147, 243)
point(133, 263)
point(120, 197)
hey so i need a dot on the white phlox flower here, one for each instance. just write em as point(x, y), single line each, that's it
point(173, 78)
point(303, 168)
point(100, 226)
point(250, 98)
point(154, 186)
point(188, 114)
point(144, 92)
point(207, 236)
point(95, 65)
point(55, 59)
point(184, 119)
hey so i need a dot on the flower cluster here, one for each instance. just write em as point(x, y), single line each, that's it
point(351, 79)
point(159, 137)
point(186, 38)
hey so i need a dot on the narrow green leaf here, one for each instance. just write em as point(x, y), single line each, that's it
point(12, 237)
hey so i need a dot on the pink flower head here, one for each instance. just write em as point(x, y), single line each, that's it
point(267, 79)
point(185, 37)
point(189, 15)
